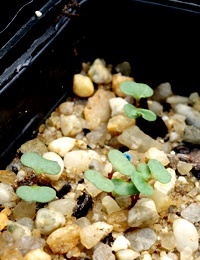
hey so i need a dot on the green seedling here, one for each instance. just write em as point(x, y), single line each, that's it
point(137, 91)
point(137, 177)
point(40, 165)
point(36, 193)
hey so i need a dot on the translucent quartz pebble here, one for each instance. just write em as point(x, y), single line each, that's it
point(186, 235)
point(28, 222)
point(141, 216)
point(99, 73)
point(110, 204)
point(191, 213)
point(103, 251)
point(7, 193)
point(91, 235)
point(47, 220)
point(17, 230)
point(141, 239)
point(135, 139)
point(65, 206)
point(192, 115)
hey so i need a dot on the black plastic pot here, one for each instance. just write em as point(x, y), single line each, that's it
point(39, 56)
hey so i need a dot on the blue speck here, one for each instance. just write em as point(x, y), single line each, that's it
point(128, 156)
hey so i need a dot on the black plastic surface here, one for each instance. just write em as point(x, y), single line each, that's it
point(159, 38)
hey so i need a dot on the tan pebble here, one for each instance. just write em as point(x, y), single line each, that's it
point(99, 73)
point(93, 111)
point(70, 125)
point(91, 235)
point(119, 220)
point(64, 239)
point(110, 204)
point(117, 124)
point(82, 85)
point(184, 168)
point(116, 81)
point(3, 220)
point(37, 254)
point(155, 153)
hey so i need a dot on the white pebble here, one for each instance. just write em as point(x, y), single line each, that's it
point(117, 105)
point(48, 220)
point(80, 159)
point(54, 157)
point(7, 193)
point(186, 235)
point(65, 206)
point(120, 243)
point(38, 13)
point(61, 145)
point(37, 254)
point(127, 254)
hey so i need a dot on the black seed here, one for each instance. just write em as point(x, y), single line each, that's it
point(81, 181)
point(63, 191)
point(123, 149)
point(108, 240)
point(14, 169)
point(196, 173)
point(86, 131)
point(154, 129)
point(84, 204)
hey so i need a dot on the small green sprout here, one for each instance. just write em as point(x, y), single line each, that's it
point(40, 165)
point(137, 91)
point(138, 177)
point(36, 193)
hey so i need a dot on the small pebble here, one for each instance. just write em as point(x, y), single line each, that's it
point(61, 145)
point(127, 254)
point(91, 235)
point(83, 159)
point(120, 243)
point(82, 85)
point(47, 220)
point(186, 235)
